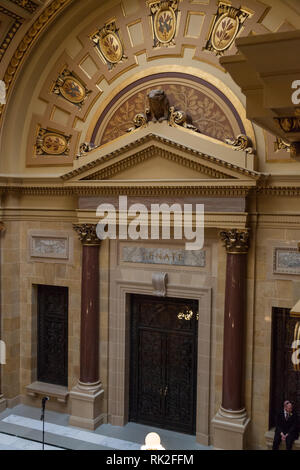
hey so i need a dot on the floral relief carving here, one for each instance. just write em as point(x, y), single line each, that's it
point(201, 109)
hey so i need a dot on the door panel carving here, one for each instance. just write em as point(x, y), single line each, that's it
point(163, 363)
point(53, 335)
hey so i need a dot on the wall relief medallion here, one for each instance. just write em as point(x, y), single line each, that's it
point(109, 45)
point(164, 17)
point(52, 143)
point(70, 87)
point(227, 23)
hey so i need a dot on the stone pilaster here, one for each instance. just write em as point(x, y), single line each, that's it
point(86, 397)
point(231, 421)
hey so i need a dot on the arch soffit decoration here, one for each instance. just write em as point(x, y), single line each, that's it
point(183, 40)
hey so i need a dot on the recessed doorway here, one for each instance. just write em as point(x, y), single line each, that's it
point(163, 362)
point(52, 337)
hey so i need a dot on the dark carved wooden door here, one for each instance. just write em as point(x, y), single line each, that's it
point(52, 364)
point(163, 363)
point(285, 381)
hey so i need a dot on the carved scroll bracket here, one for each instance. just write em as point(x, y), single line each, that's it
point(85, 148)
point(241, 143)
point(159, 283)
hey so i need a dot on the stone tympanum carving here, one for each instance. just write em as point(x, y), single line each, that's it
point(159, 110)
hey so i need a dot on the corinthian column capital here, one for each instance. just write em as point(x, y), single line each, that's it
point(87, 234)
point(236, 241)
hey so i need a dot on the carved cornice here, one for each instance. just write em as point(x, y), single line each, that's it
point(153, 151)
point(87, 234)
point(12, 30)
point(226, 165)
point(235, 241)
point(95, 190)
point(279, 191)
point(27, 5)
point(29, 39)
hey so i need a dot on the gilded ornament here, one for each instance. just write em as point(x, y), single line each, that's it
point(87, 234)
point(30, 37)
point(242, 143)
point(109, 45)
point(180, 118)
point(296, 342)
point(139, 120)
point(288, 124)
point(164, 17)
point(71, 88)
point(227, 24)
point(51, 143)
point(187, 314)
point(85, 148)
point(159, 111)
point(235, 241)
point(280, 144)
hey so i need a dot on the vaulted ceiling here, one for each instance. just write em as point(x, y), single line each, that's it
point(79, 71)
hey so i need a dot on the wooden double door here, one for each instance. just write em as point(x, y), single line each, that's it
point(163, 362)
point(285, 381)
point(52, 338)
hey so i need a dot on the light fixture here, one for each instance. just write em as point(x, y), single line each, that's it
point(152, 442)
point(187, 314)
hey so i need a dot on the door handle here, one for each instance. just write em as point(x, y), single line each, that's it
point(166, 390)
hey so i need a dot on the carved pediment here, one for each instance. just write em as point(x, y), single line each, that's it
point(156, 158)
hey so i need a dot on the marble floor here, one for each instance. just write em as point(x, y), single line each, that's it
point(21, 429)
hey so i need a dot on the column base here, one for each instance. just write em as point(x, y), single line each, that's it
point(86, 405)
point(229, 429)
point(2, 403)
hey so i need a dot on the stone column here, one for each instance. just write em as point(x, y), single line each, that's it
point(231, 421)
point(2, 345)
point(86, 397)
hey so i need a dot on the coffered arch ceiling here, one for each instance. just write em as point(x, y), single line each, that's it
point(64, 83)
